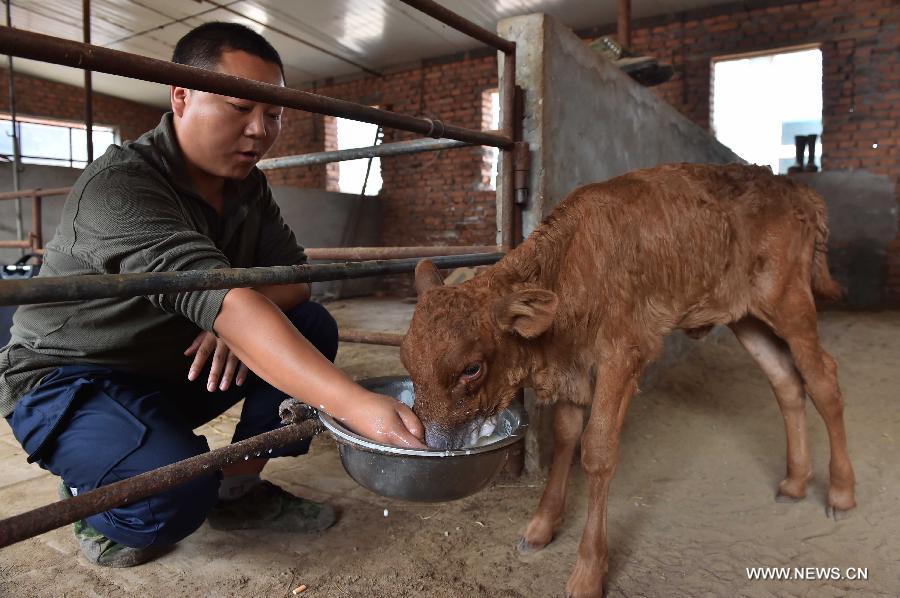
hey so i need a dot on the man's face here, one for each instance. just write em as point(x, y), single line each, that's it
point(223, 136)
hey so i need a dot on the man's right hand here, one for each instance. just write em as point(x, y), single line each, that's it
point(274, 350)
point(385, 420)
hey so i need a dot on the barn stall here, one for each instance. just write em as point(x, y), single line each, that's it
point(705, 419)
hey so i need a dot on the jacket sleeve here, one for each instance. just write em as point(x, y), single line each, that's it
point(277, 244)
point(130, 222)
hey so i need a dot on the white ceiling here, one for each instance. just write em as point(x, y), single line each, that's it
point(354, 34)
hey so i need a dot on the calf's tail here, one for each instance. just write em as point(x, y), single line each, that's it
point(823, 284)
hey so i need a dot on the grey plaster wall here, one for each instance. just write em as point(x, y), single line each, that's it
point(32, 176)
point(586, 121)
point(324, 219)
point(318, 218)
point(862, 217)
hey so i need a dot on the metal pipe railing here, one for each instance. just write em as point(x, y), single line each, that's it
point(80, 288)
point(507, 124)
point(33, 192)
point(383, 253)
point(369, 337)
point(43, 519)
point(35, 239)
point(88, 83)
point(448, 17)
point(16, 149)
point(46, 48)
point(397, 148)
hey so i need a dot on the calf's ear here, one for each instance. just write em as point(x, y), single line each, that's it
point(427, 276)
point(528, 312)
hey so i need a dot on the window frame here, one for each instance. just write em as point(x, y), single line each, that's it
point(43, 160)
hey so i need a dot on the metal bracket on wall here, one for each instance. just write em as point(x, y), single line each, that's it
point(521, 168)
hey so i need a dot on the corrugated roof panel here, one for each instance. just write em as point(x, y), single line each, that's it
point(373, 34)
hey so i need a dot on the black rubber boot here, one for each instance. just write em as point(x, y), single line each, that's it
point(811, 163)
point(799, 146)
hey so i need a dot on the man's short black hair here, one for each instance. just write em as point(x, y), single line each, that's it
point(202, 47)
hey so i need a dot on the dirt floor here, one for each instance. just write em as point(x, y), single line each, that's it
point(690, 509)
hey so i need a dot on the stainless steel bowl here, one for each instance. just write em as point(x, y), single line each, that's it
point(421, 475)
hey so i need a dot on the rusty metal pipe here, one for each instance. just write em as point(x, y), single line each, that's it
point(624, 25)
point(32, 192)
point(88, 85)
point(43, 519)
point(47, 48)
point(507, 198)
point(17, 154)
point(383, 253)
point(79, 288)
point(369, 337)
point(37, 227)
point(448, 17)
point(397, 148)
point(25, 244)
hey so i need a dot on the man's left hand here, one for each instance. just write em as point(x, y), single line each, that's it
point(224, 363)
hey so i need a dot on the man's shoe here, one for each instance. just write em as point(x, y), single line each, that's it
point(100, 550)
point(266, 506)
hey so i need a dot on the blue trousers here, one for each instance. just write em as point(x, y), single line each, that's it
point(93, 426)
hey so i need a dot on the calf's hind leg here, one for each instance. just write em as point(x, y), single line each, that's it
point(774, 358)
point(795, 322)
point(568, 422)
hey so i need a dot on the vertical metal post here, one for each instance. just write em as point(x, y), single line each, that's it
point(624, 29)
point(37, 232)
point(515, 463)
point(17, 158)
point(88, 85)
point(507, 112)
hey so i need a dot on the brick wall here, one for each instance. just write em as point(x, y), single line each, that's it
point(427, 199)
point(861, 72)
point(440, 198)
point(49, 99)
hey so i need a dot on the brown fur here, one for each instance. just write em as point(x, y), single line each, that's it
point(584, 303)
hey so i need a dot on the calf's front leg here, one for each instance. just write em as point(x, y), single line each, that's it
point(616, 383)
point(568, 422)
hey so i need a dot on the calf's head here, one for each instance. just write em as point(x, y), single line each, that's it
point(467, 351)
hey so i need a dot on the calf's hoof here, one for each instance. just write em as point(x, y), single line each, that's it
point(586, 580)
point(792, 489)
point(840, 502)
point(525, 548)
point(836, 514)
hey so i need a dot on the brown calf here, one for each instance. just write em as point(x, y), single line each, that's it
point(583, 304)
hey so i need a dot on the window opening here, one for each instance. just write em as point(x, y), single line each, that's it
point(761, 102)
point(360, 177)
point(53, 142)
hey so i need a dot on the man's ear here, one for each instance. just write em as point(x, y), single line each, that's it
point(178, 97)
point(427, 277)
point(528, 312)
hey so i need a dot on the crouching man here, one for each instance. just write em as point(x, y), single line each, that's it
point(101, 390)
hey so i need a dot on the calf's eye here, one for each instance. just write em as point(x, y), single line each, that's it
point(472, 370)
